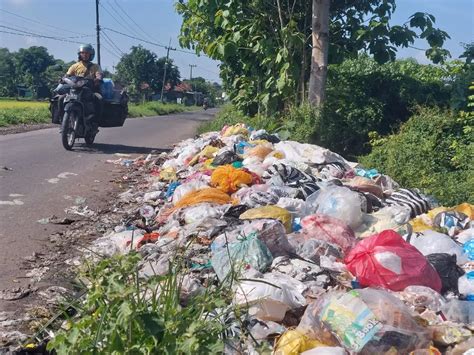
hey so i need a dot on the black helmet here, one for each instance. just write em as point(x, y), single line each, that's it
point(86, 48)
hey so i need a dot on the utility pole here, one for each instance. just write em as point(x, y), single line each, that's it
point(97, 30)
point(191, 66)
point(166, 65)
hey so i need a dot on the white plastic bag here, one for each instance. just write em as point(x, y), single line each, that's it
point(271, 297)
point(338, 202)
point(431, 242)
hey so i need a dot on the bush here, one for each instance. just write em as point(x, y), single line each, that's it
point(433, 151)
point(363, 96)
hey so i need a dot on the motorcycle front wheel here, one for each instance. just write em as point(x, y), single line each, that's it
point(68, 129)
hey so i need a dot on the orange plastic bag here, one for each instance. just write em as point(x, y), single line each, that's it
point(204, 195)
point(229, 179)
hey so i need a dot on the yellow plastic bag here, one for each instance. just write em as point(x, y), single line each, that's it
point(273, 212)
point(294, 342)
point(260, 151)
point(168, 174)
point(235, 129)
point(229, 179)
point(204, 195)
point(207, 152)
point(466, 208)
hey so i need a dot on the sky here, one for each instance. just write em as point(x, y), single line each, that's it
point(157, 21)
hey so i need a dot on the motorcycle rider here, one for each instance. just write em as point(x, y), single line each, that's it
point(85, 68)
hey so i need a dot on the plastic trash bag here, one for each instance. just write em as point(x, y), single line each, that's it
point(387, 261)
point(270, 297)
point(293, 205)
point(468, 248)
point(229, 179)
point(459, 311)
point(199, 212)
point(338, 202)
point(422, 297)
point(225, 157)
point(312, 249)
point(205, 195)
point(273, 212)
point(431, 242)
point(188, 187)
point(330, 229)
point(325, 350)
point(366, 321)
point(452, 222)
point(294, 342)
point(366, 185)
point(412, 198)
point(448, 270)
point(466, 285)
point(248, 251)
point(390, 217)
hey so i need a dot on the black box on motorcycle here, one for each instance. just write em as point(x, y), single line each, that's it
point(113, 114)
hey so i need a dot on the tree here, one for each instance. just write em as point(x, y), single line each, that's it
point(32, 63)
point(143, 71)
point(263, 44)
point(7, 73)
point(319, 52)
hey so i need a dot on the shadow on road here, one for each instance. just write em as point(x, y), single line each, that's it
point(103, 148)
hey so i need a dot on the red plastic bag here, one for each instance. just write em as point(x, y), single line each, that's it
point(387, 261)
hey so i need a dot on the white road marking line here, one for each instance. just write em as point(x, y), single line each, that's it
point(12, 203)
point(64, 175)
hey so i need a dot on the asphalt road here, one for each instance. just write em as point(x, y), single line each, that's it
point(39, 178)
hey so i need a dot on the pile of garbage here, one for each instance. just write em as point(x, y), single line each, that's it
point(327, 257)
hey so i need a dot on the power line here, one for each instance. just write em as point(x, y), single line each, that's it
point(110, 51)
point(136, 38)
point(29, 34)
point(39, 22)
point(149, 42)
point(29, 30)
point(121, 23)
point(112, 47)
point(106, 36)
point(136, 24)
point(124, 20)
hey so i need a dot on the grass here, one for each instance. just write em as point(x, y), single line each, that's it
point(14, 112)
point(156, 108)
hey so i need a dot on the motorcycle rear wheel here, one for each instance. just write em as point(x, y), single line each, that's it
point(68, 129)
point(89, 138)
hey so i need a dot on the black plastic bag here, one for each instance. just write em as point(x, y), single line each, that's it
point(448, 270)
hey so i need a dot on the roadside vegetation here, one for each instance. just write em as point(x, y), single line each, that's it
point(125, 314)
point(154, 108)
point(13, 112)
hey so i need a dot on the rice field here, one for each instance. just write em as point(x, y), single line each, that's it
point(13, 112)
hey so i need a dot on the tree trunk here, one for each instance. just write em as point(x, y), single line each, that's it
point(319, 53)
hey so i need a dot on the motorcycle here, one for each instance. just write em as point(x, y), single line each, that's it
point(73, 107)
